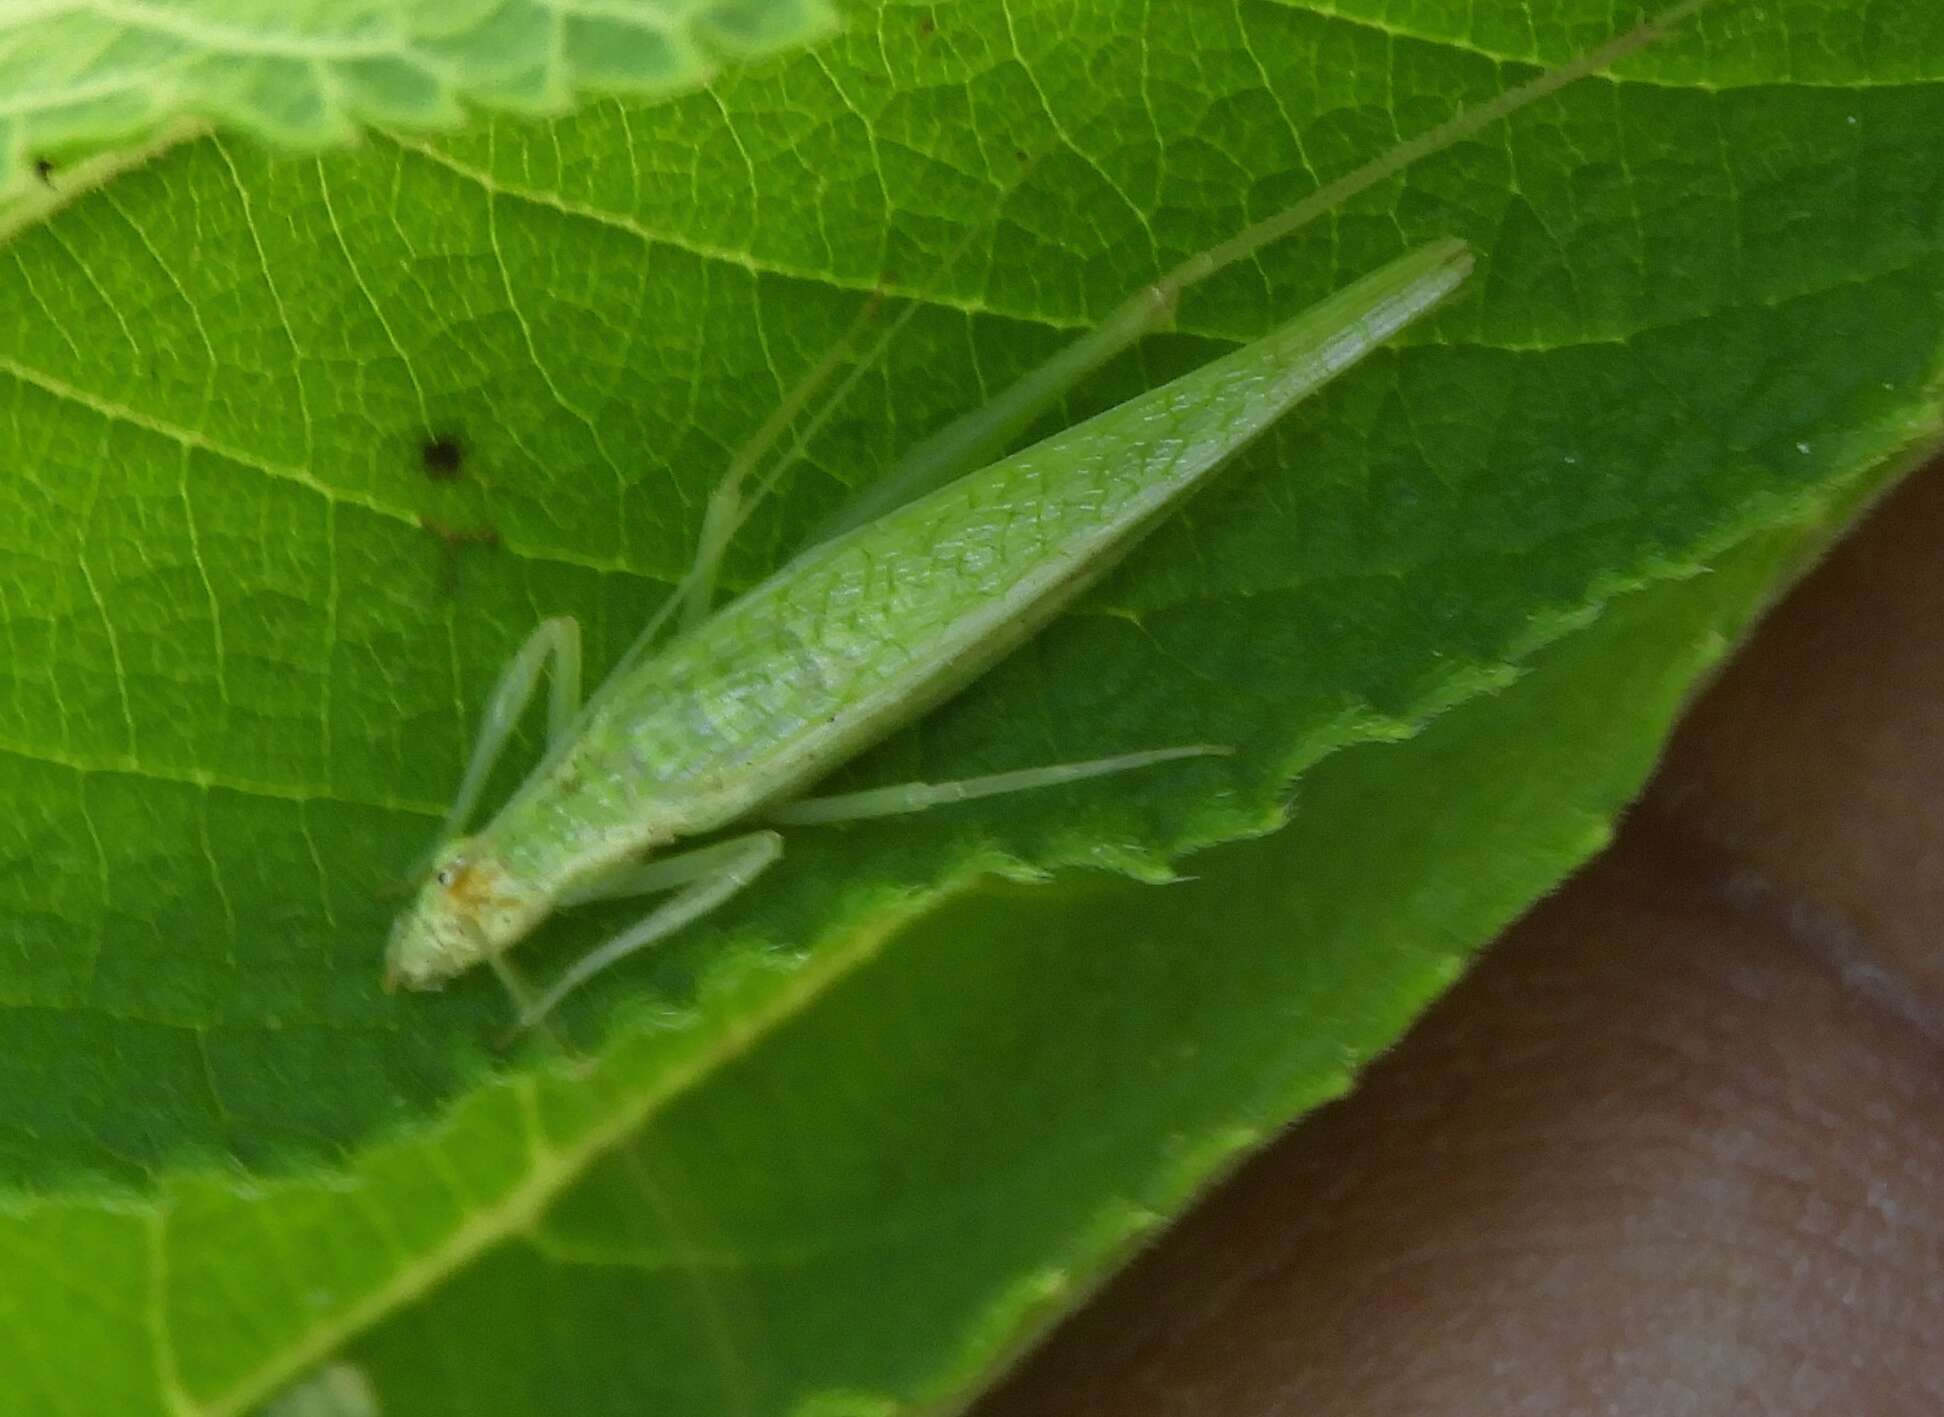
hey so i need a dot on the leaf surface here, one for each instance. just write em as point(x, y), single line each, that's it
point(294, 450)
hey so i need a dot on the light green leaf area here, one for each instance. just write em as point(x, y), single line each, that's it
point(76, 75)
point(847, 1144)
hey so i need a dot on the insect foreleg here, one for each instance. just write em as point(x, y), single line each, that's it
point(907, 797)
point(978, 437)
point(728, 505)
point(733, 500)
point(740, 860)
point(557, 640)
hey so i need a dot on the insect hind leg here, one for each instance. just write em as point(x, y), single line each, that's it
point(663, 874)
point(907, 797)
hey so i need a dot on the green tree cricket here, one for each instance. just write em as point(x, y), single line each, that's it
point(924, 584)
point(734, 718)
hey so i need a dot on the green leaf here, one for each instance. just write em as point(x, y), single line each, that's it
point(844, 1146)
point(942, 1185)
point(75, 76)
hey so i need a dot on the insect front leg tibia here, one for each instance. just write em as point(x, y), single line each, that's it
point(716, 873)
point(731, 501)
point(556, 641)
point(918, 796)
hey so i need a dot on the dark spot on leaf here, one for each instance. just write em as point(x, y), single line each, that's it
point(442, 457)
point(44, 170)
point(928, 26)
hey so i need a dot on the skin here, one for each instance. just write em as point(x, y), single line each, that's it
point(1675, 1146)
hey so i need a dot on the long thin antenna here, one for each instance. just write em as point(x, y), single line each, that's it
point(982, 435)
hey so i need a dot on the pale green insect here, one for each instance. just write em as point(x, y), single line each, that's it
point(919, 587)
point(741, 712)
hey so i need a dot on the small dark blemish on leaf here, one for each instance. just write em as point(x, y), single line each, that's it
point(44, 170)
point(442, 456)
point(928, 26)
